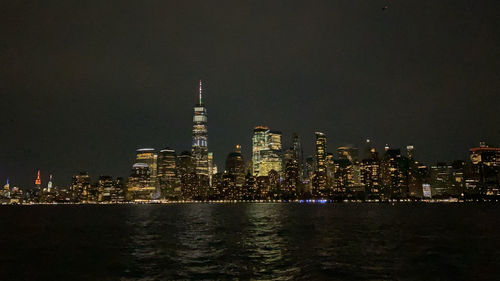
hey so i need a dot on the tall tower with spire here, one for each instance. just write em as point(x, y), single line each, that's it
point(38, 181)
point(49, 184)
point(199, 148)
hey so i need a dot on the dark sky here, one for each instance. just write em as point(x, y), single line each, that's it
point(85, 83)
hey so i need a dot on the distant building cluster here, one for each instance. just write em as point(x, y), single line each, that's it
point(275, 173)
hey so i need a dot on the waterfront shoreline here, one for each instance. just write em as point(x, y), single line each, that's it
point(307, 201)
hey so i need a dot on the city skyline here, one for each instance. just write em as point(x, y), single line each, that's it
point(82, 91)
point(276, 172)
point(197, 137)
point(249, 140)
point(164, 173)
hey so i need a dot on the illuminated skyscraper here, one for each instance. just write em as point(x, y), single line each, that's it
point(298, 154)
point(350, 154)
point(235, 166)
point(485, 170)
point(274, 157)
point(38, 181)
point(392, 176)
point(320, 152)
point(297, 148)
point(330, 170)
point(319, 178)
point(185, 163)
point(109, 190)
point(186, 171)
point(309, 167)
point(49, 184)
point(140, 186)
point(212, 167)
point(458, 180)
point(441, 178)
point(167, 164)
point(410, 152)
point(199, 148)
point(168, 179)
point(266, 151)
point(80, 187)
point(259, 145)
point(143, 177)
point(234, 162)
point(149, 157)
point(292, 182)
point(274, 139)
point(370, 172)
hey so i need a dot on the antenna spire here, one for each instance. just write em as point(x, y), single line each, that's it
point(200, 91)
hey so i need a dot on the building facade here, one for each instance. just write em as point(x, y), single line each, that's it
point(484, 172)
point(266, 151)
point(199, 149)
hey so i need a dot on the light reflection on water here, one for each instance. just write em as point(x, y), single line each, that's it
point(210, 245)
point(250, 242)
point(266, 249)
point(271, 242)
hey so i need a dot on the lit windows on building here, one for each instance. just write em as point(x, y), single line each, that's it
point(484, 170)
point(199, 149)
point(266, 151)
point(320, 155)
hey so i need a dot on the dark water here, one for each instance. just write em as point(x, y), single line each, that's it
point(251, 241)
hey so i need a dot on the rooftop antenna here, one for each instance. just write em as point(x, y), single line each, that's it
point(200, 92)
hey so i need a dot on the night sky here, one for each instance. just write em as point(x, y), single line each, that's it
point(85, 83)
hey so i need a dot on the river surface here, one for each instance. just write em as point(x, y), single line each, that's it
point(251, 241)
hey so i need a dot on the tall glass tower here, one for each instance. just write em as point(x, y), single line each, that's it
point(266, 151)
point(298, 154)
point(320, 152)
point(320, 177)
point(199, 149)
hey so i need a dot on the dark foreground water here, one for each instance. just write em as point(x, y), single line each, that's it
point(251, 241)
